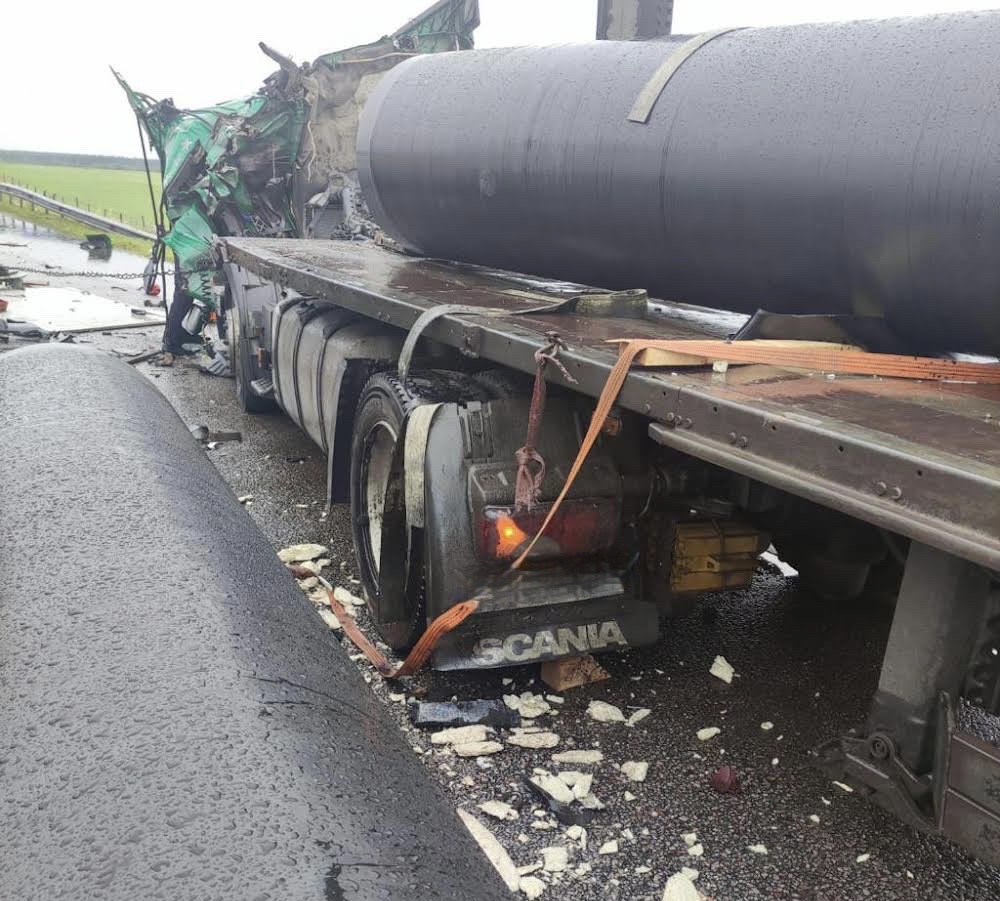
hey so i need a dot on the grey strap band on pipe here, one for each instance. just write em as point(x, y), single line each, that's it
point(651, 91)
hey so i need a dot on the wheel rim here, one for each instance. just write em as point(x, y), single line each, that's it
point(380, 445)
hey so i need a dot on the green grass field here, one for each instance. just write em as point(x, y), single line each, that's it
point(116, 193)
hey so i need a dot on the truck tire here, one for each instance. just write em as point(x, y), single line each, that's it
point(376, 476)
point(244, 366)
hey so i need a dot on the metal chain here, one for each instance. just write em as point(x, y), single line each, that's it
point(87, 273)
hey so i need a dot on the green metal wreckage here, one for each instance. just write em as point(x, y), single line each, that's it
point(249, 166)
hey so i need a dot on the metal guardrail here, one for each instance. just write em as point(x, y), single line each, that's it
point(101, 223)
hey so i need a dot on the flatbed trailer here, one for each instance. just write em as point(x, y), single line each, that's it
point(862, 483)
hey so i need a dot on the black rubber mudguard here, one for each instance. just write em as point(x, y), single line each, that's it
point(176, 724)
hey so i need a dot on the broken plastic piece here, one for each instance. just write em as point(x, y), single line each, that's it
point(439, 714)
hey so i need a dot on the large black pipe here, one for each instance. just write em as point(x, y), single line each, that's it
point(176, 722)
point(816, 168)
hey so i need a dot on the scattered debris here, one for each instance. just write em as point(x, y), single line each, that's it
point(572, 672)
point(330, 619)
point(690, 838)
point(533, 738)
point(826, 801)
point(708, 733)
point(610, 847)
point(308, 584)
point(298, 553)
point(527, 704)
point(774, 761)
point(638, 716)
point(580, 783)
point(436, 714)
point(459, 736)
point(767, 726)
point(494, 851)
point(680, 888)
point(499, 810)
point(862, 858)
point(579, 835)
point(531, 887)
point(757, 849)
point(245, 498)
point(696, 850)
point(635, 770)
point(552, 787)
point(603, 712)
point(691, 874)
point(628, 796)
point(725, 781)
point(578, 757)
point(813, 818)
point(555, 859)
point(843, 786)
point(477, 748)
point(722, 669)
point(202, 433)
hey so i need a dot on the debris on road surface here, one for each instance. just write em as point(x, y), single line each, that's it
point(529, 705)
point(603, 712)
point(767, 726)
point(459, 736)
point(578, 757)
point(610, 847)
point(843, 786)
point(638, 716)
point(680, 888)
point(533, 738)
point(580, 783)
point(245, 498)
point(572, 672)
point(690, 838)
point(691, 873)
point(722, 669)
point(499, 810)
point(862, 858)
point(439, 714)
point(757, 849)
point(725, 781)
point(299, 553)
point(552, 787)
point(531, 887)
point(696, 850)
point(708, 733)
point(330, 619)
point(635, 770)
point(555, 859)
point(494, 851)
point(813, 818)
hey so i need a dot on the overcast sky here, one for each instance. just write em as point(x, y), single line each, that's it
point(56, 92)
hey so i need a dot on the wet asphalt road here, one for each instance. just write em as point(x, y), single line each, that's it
point(808, 668)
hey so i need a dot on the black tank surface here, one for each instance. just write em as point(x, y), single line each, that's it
point(847, 167)
point(176, 722)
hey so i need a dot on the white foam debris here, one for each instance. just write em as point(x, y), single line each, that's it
point(690, 838)
point(554, 787)
point(610, 847)
point(640, 871)
point(691, 873)
point(531, 887)
point(499, 810)
point(757, 849)
point(579, 835)
point(843, 786)
point(530, 868)
point(580, 783)
point(308, 583)
point(603, 712)
point(696, 850)
point(583, 869)
point(555, 859)
point(397, 697)
point(774, 761)
point(722, 669)
point(909, 875)
point(638, 716)
point(862, 858)
point(578, 757)
point(477, 748)
point(245, 498)
point(555, 699)
point(813, 818)
point(635, 770)
point(628, 834)
point(680, 888)
point(329, 618)
point(459, 735)
point(591, 802)
point(494, 851)
point(826, 801)
point(296, 553)
point(767, 725)
point(707, 733)
point(628, 796)
point(346, 598)
point(529, 705)
point(533, 739)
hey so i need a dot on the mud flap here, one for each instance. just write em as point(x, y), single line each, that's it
point(970, 803)
point(545, 617)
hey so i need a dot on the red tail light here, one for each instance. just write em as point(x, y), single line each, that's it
point(579, 527)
